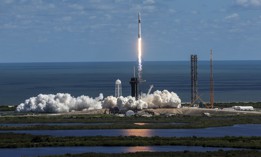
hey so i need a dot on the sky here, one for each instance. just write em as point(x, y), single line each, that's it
point(106, 30)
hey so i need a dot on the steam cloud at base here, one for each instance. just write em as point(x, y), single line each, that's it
point(61, 102)
point(64, 102)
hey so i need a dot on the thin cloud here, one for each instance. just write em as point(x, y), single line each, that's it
point(67, 18)
point(8, 1)
point(76, 6)
point(148, 2)
point(249, 3)
point(172, 11)
point(232, 16)
point(149, 8)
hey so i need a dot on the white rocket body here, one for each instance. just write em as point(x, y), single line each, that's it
point(139, 26)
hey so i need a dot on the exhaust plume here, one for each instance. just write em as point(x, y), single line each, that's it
point(61, 102)
point(64, 102)
point(139, 49)
point(139, 60)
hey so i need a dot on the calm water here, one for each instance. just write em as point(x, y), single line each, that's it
point(236, 130)
point(234, 80)
point(18, 152)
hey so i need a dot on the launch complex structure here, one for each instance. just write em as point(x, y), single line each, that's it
point(136, 81)
point(194, 78)
point(194, 82)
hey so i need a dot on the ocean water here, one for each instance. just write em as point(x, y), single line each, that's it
point(233, 80)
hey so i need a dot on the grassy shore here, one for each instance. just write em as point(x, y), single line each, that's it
point(11, 140)
point(7, 108)
point(156, 122)
point(242, 153)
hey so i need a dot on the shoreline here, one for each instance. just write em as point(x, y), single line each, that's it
point(15, 140)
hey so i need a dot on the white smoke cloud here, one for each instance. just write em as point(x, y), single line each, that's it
point(64, 102)
point(161, 99)
point(61, 102)
point(158, 99)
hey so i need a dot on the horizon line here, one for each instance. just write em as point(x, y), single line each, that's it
point(118, 61)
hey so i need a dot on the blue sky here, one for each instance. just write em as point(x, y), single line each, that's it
point(106, 30)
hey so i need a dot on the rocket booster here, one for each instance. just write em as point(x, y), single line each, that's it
point(139, 26)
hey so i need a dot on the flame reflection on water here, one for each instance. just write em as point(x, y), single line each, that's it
point(141, 124)
point(137, 132)
point(140, 149)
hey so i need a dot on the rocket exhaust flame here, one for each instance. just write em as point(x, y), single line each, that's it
point(139, 60)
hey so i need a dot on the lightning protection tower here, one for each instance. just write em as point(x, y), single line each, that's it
point(194, 79)
point(118, 88)
point(211, 81)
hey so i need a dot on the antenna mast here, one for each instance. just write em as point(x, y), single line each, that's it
point(134, 71)
point(211, 81)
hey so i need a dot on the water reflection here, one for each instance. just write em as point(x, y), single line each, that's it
point(137, 132)
point(174, 123)
point(141, 124)
point(236, 130)
point(140, 149)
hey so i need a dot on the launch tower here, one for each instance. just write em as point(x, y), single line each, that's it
point(134, 87)
point(194, 78)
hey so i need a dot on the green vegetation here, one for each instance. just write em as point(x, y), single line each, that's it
point(11, 140)
point(7, 108)
point(156, 122)
point(241, 153)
